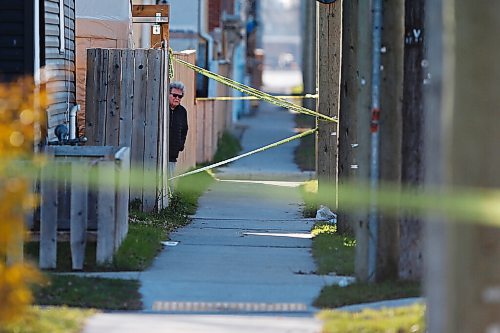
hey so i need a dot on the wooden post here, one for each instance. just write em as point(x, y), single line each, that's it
point(463, 277)
point(152, 128)
point(78, 215)
point(106, 226)
point(410, 227)
point(390, 133)
point(48, 217)
point(362, 151)
point(348, 142)
point(159, 15)
point(329, 62)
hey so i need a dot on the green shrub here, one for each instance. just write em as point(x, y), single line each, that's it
point(227, 147)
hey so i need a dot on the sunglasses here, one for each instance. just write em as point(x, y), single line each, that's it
point(178, 96)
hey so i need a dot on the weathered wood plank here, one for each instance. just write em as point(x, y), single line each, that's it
point(91, 95)
point(138, 119)
point(63, 194)
point(200, 126)
point(122, 165)
point(105, 213)
point(78, 215)
point(48, 217)
point(164, 133)
point(150, 194)
point(113, 97)
point(100, 130)
point(150, 10)
point(329, 23)
point(88, 151)
point(126, 98)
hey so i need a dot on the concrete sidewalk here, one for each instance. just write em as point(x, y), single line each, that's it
point(244, 264)
point(246, 253)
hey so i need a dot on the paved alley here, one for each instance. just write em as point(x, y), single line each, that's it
point(246, 255)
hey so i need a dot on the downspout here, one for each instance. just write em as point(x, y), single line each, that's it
point(36, 71)
point(375, 140)
point(72, 121)
point(210, 43)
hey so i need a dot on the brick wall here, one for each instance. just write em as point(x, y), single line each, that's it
point(215, 10)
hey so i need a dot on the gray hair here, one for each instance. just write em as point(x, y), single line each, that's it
point(177, 85)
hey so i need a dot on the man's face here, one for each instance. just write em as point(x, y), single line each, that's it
point(175, 97)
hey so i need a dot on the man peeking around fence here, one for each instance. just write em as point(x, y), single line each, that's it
point(178, 127)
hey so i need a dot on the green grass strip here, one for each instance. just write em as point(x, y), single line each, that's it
point(89, 292)
point(410, 319)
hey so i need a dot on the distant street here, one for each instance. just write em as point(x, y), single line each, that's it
point(280, 81)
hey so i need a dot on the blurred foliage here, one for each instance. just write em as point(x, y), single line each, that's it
point(19, 115)
point(49, 320)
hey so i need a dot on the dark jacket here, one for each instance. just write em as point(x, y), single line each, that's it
point(178, 132)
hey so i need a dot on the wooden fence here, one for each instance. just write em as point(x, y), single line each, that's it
point(126, 106)
point(187, 158)
point(69, 194)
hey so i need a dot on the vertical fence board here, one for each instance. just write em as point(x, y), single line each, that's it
point(126, 98)
point(113, 97)
point(105, 213)
point(164, 123)
point(91, 97)
point(138, 119)
point(48, 214)
point(187, 158)
point(63, 196)
point(78, 216)
point(101, 89)
point(152, 129)
point(200, 125)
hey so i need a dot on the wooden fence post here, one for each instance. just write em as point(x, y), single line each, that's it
point(106, 227)
point(48, 214)
point(78, 215)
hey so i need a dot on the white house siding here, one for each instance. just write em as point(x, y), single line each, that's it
point(60, 65)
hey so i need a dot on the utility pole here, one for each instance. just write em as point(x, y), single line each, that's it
point(362, 151)
point(412, 169)
point(462, 151)
point(329, 60)
point(391, 91)
point(347, 164)
point(309, 52)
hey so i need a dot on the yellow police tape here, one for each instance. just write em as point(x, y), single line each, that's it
point(258, 150)
point(252, 98)
point(251, 91)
